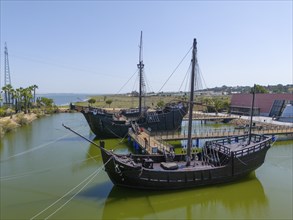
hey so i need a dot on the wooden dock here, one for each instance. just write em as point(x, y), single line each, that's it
point(220, 133)
point(149, 143)
point(207, 117)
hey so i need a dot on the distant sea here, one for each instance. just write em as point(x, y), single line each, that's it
point(61, 99)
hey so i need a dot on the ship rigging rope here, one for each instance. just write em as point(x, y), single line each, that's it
point(87, 180)
point(184, 79)
point(149, 88)
point(122, 139)
point(175, 69)
point(127, 82)
point(201, 77)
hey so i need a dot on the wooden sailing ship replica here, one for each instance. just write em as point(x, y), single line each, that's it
point(219, 161)
point(107, 124)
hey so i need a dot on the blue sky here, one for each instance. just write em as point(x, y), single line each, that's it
point(92, 46)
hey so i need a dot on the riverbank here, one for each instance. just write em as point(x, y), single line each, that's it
point(14, 121)
point(9, 123)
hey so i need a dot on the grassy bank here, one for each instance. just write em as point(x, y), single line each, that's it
point(124, 101)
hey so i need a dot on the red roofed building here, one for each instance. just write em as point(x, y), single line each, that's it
point(265, 104)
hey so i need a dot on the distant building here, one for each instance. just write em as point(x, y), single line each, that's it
point(265, 104)
point(287, 114)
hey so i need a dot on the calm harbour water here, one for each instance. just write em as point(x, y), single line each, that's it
point(48, 172)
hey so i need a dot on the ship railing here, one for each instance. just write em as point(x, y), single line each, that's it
point(258, 146)
point(221, 144)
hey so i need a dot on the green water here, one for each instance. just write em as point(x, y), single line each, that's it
point(48, 172)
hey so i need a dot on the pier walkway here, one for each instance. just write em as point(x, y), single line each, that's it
point(210, 117)
point(221, 133)
point(156, 142)
point(149, 143)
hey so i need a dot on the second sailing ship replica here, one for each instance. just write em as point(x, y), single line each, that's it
point(219, 161)
point(106, 124)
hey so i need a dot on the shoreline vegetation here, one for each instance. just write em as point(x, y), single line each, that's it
point(16, 120)
point(21, 107)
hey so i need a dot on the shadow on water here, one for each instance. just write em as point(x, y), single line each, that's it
point(122, 203)
point(98, 192)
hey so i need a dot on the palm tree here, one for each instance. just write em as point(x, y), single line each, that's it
point(1, 99)
point(5, 90)
point(13, 94)
point(17, 97)
point(34, 87)
point(8, 90)
point(26, 95)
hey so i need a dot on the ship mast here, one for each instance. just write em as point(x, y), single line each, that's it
point(194, 65)
point(140, 66)
point(251, 115)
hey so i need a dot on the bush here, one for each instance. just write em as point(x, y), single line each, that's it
point(160, 104)
point(91, 101)
point(21, 119)
point(8, 126)
point(9, 112)
point(2, 112)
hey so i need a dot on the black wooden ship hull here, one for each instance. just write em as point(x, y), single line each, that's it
point(220, 161)
point(112, 125)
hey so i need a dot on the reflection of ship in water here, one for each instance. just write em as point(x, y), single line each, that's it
point(245, 198)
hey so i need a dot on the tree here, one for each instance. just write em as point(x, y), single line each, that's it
point(91, 101)
point(17, 97)
point(26, 95)
point(260, 89)
point(160, 104)
point(1, 99)
point(217, 104)
point(207, 100)
point(10, 91)
point(226, 105)
point(7, 91)
point(45, 101)
point(34, 87)
point(109, 102)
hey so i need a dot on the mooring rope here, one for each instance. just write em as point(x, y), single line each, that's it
point(58, 209)
point(87, 180)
